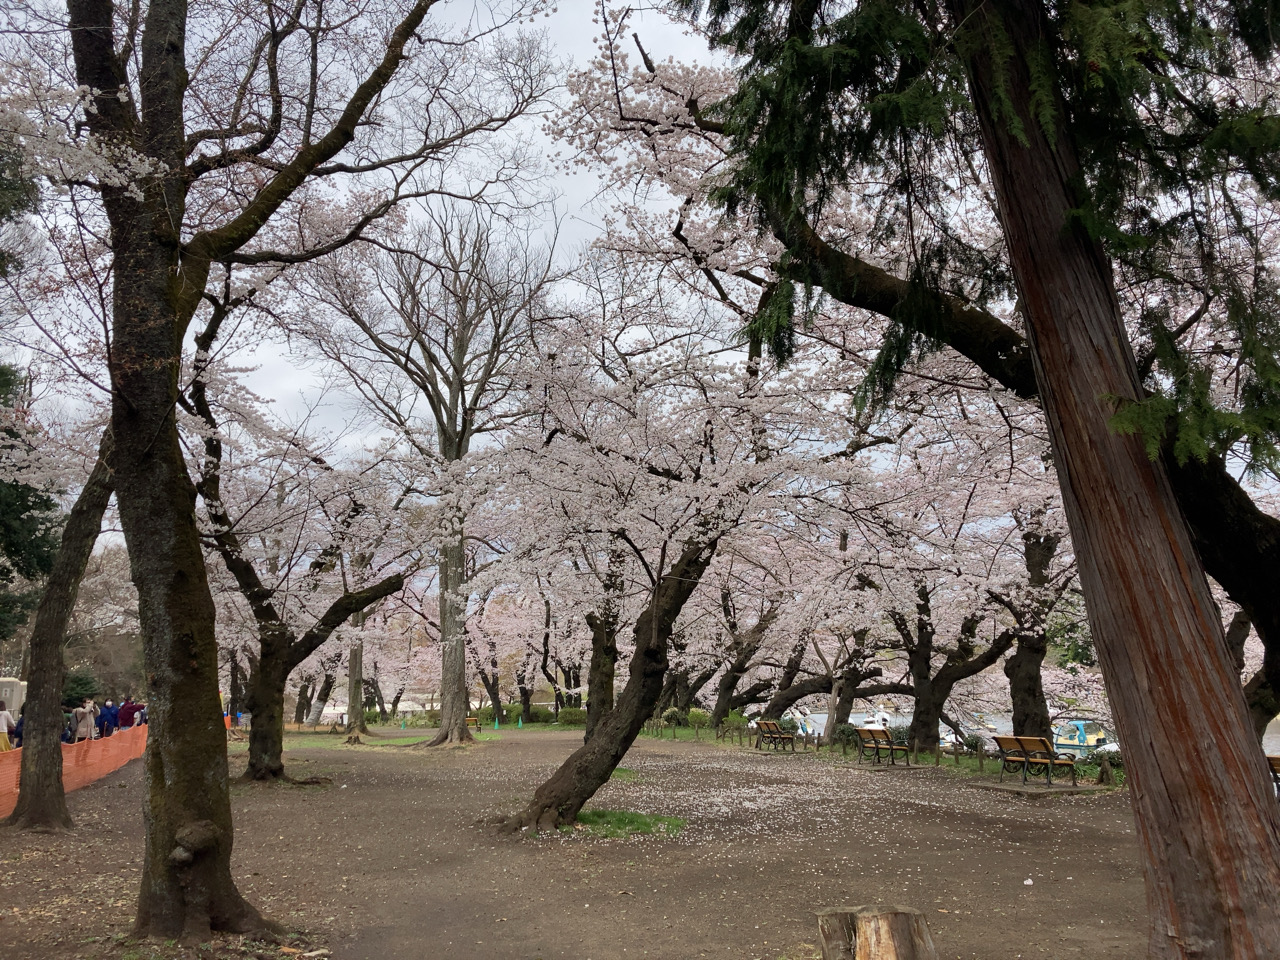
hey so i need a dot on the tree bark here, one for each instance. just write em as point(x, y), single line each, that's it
point(42, 804)
point(235, 694)
point(267, 684)
point(556, 803)
point(1026, 687)
point(304, 703)
point(1209, 833)
point(455, 702)
point(602, 668)
point(355, 690)
point(321, 699)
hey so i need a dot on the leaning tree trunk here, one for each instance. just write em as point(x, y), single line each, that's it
point(454, 699)
point(1026, 687)
point(557, 802)
point(321, 699)
point(1209, 833)
point(42, 804)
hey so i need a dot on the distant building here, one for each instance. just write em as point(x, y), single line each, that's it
point(13, 692)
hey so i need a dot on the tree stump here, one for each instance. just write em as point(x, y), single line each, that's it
point(874, 933)
point(1106, 776)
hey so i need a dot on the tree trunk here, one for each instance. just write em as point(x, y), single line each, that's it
point(42, 804)
point(926, 714)
point(455, 702)
point(235, 692)
point(304, 703)
point(490, 683)
point(874, 933)
point(321, 699)
point(1209, 832)
point(557, 802)
point(265, 701)
point(395, 702)
point(355, 690)
point(525, 691)
point(1030, 708)
point(187, 888)
point(601, 670)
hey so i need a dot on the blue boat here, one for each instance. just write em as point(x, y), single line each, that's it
point(1080, 736)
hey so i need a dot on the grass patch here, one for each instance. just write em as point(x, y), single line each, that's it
point(624, 775)
point(624, 823)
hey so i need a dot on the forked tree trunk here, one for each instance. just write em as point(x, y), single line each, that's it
point(321, 700)
point(557, 802)
point(454, 699)
point(42, 804)
point(1209, 832)
point(1026, 687)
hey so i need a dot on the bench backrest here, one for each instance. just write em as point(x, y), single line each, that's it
point(881, 734)
point(1009, 744)
point(769, 726)
point(865, 734)
point(1035, 745)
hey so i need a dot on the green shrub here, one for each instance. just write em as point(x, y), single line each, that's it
point(573, 717)
point(900, 734)
point(735, 720)
point(1095, 758)
point(698, 718)
point(672, 717)
point(789, 725)
point(975, 742)
point(485, 716)
point(372, 716)
point(79, 685)
point(512, 712)
point(844, 733)
point(541, 715)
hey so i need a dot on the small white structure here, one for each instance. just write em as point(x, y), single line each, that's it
point(13, 692)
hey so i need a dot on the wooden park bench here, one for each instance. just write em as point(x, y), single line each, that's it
point(876, 743)
point(473, 722)
point(768, 731)
point(1274, 763)
point(1034, 756)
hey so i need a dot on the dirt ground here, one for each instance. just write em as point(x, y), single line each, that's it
point(393, 860)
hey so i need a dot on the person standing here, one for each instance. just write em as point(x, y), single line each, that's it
point(124, 716)
point(7, 726)
point(109, 719)
point(82, 720)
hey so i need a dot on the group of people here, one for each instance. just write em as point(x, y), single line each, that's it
point(85, 722)
point(89, 721)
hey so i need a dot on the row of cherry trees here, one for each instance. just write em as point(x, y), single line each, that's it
point(707, 460)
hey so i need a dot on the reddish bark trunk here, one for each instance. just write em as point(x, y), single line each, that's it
point(1209, 832)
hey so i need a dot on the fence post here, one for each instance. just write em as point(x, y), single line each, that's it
point(874, 933)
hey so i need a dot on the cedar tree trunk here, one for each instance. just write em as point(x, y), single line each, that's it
point(42, 804)
point(1209, 832)
point(557, 802)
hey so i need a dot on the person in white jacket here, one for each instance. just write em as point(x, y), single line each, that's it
point(82, 720)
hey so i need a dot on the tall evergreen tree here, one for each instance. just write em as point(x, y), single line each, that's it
point(1130, 137)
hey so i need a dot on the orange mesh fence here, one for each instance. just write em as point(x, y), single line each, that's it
point(82, 763)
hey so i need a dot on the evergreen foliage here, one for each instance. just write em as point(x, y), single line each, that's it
point(1171, 107)
point(28, 530)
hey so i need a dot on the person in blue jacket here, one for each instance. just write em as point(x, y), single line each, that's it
point(108, 719)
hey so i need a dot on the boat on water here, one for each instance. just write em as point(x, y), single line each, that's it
point(1081, 737)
